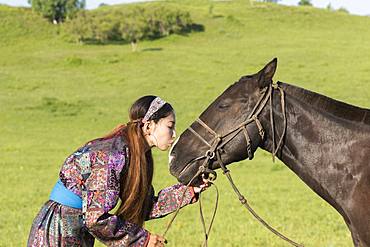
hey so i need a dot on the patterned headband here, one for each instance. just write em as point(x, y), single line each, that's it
point(156, 104)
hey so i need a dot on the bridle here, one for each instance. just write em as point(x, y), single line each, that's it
point(219, 141)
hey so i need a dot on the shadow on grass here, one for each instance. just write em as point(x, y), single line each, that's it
point(152, 49)
point(217, 16)
point(108, 42)
point(116, 41)
point(59, 108)
point(197, 27)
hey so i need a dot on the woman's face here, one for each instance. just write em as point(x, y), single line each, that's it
point(163, 132)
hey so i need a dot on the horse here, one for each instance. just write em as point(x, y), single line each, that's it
point(325, 142)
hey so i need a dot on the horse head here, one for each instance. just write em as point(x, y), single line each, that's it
point(229, 130)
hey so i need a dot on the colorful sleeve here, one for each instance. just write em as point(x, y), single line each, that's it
point(102, 196)
point(170, 198)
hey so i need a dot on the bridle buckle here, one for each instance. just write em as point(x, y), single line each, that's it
point(210, 154)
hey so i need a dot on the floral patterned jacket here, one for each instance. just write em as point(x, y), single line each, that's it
point(106, 159)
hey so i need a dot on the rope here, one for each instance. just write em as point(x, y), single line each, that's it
point(251, 210)
point(169, 224)
point(272, 128)
point(206, 232)
point(215, 147)
point(282, 102)
point(244, 202)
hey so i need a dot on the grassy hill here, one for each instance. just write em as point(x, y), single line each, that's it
point(56, 95)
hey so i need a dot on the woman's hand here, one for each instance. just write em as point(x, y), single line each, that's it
point(202, 187)
point(156, 240)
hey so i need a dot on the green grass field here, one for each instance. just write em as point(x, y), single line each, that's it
point(55, 96)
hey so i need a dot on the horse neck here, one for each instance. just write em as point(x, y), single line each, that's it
point(317, 138)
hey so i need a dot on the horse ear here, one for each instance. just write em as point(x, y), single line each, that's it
point(266, 74)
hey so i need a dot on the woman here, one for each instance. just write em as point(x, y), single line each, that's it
point(116, 166)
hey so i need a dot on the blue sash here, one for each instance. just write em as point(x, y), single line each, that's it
point(64, 196)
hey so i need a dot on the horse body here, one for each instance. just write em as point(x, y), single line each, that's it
point(331, 154)
point(326, 143)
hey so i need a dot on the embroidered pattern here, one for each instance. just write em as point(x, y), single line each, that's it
point(58, 225)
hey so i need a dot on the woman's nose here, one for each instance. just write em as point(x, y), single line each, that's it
point(174, 134)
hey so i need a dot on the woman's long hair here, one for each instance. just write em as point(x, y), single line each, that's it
point(136, 181)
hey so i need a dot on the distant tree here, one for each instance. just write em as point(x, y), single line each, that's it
point(329, 7)
point(106, 28)
point(57, 10)
point(305, 3)
point(134, 28)
point(343, 10)
point(129, 25)
point(80, 28)
point(103, 4)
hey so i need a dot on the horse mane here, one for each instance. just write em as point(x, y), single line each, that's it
point(332, 106)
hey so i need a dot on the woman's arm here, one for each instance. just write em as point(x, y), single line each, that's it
point(168, 200)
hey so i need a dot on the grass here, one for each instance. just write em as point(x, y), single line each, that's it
point(56, 95)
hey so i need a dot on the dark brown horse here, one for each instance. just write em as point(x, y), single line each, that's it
point(324, 141)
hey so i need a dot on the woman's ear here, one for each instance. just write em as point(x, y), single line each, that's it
point(147, 127)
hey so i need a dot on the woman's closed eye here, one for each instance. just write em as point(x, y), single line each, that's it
point(171, 125)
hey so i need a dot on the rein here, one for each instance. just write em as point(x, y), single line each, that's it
point(213, 153)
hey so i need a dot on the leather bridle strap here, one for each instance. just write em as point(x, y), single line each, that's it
point(220, 140)
point(213, 153)
point(200, 137)
point(282, 103)
point(209, 180)
point(226, 138)
point(245, 203)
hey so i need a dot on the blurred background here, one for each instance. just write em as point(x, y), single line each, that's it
point(69, 76)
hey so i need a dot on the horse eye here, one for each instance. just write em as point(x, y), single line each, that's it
point(223, 105)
